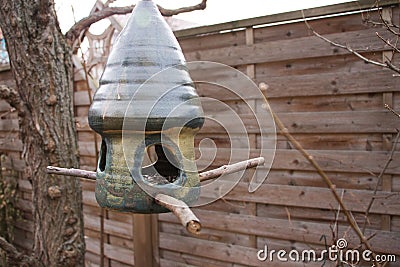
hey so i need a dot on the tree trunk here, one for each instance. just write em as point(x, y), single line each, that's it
point(41, 63)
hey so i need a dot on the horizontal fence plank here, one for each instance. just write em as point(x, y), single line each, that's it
point(339, 64)
point(305, 47)
point(357, 142)
point(241, 239)
point(330, 84)
point(306, 122)
point(111, 227)
point(326, 25)
point(13, 163)
point(88, 198)
point(313, 179)
point(282, 17)
point(331, 103)
point(371, 162)
point(216, 250)
point(296, 122)
point(186, 260)
point(213, 41)
point(317, 216)
point(307, 232)
point(112, 252)
point(9, 125)
point(338, 161)
point(310, 197)
point(11, 144)
point(81, 98)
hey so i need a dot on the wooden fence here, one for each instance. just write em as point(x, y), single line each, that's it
point(331, 101)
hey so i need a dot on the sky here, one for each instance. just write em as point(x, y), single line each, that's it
point(217, 11)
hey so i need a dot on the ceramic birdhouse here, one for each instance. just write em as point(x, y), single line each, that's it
point(146, 108)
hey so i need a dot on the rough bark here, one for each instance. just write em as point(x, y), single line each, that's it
point(41, 63)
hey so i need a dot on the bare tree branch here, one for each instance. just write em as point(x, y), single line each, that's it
point(380, 176)
point(392, 110)
point(227, 169)
point(388, 43)
point(172, 12)
point(204, 176)
point(181, 211)
point(351, 220)
point(85, 23)
point(14, 257)
point(72, 172)
point(386, 64)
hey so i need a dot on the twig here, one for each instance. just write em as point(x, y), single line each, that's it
point(178, 207)
point(388, 43)
point(204, 176)
point(387, 64)
point(327, 180)
point(392, 110)
point(72, 172)
point(181, 211)
point(85, 23)
point(389, 160)
point(14, 257)
point(227, 169)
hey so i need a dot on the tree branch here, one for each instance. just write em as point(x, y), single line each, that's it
point(380, 176)
point(386, 64)
point(85, 23)
point(204, 176)
point(351, 220)
point(72, 172)
point(181, 211)
point(178, 207)
point(172, 12)
point(227, 169)
point(392, 110)
point(14, 257)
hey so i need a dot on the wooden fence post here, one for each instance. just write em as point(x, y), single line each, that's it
point(144, 236)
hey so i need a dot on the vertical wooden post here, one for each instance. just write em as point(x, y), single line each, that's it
point(144, 239)
point(155, 240)
point(386, 220)
point(251, 73)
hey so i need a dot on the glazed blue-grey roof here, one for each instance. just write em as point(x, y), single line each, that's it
point(145, 79)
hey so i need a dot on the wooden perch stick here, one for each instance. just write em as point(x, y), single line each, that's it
point(72, 172)
point(181, 211)
point(176, 206)
point(204, 176)
point(227, 169)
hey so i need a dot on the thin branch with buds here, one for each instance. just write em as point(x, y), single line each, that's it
point(392, 110)
point(380, 176)
point(351, 220)
point(386, 64)
point(84, 24)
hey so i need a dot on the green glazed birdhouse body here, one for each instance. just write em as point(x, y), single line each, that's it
point(146, 100)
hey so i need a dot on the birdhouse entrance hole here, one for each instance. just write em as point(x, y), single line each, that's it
point(160, 165)
point(103, 155)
